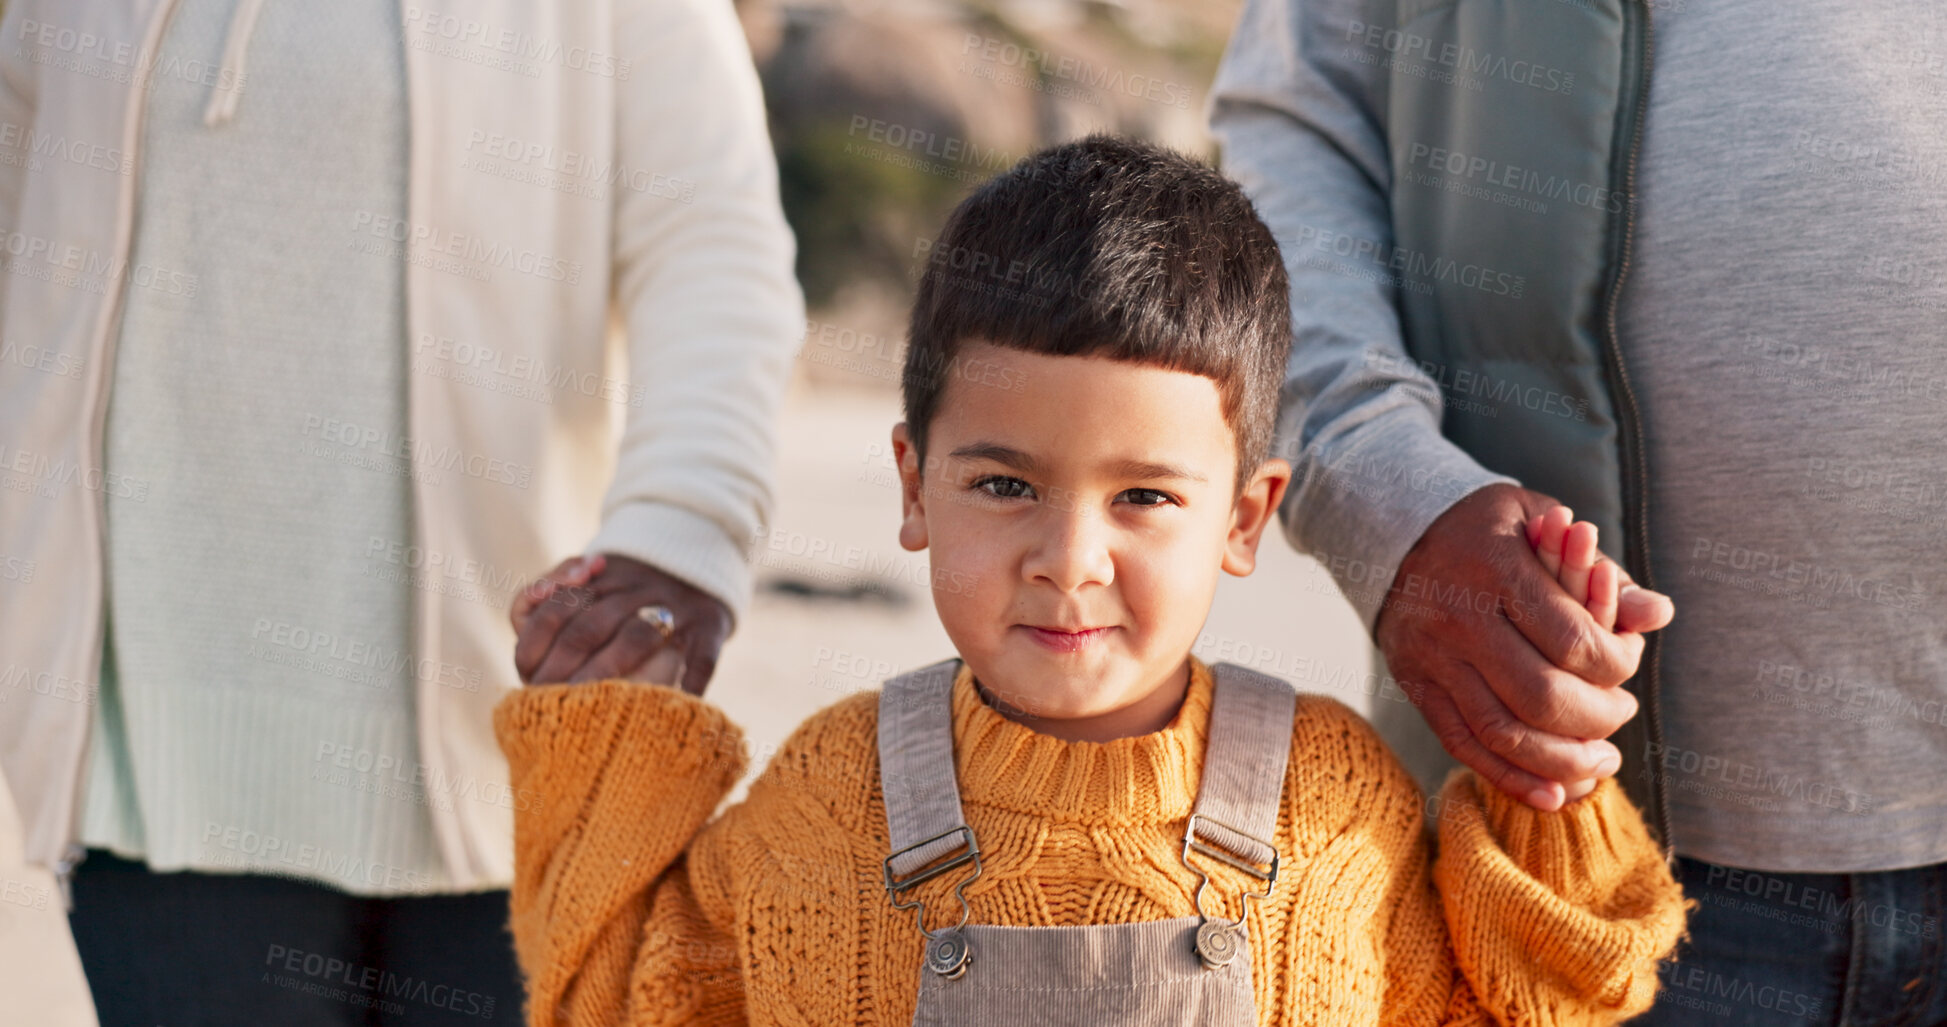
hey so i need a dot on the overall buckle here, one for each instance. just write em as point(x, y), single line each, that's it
point(1218, 941)
point(946, 949)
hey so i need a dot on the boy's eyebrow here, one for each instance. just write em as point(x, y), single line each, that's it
point(1148, 469)
point(1008, 456)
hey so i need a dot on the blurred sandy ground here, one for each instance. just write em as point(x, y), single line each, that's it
point(884, 114)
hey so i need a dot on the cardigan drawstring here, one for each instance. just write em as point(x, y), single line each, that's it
point(236, 45)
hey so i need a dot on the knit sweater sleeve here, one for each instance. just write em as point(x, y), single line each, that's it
point(1554, 918)
point(1521, 917)
point(615, 782)
point(1421, 987)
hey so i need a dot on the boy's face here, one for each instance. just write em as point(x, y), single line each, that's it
point(1078, 510)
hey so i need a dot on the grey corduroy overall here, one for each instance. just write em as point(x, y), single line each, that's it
point(1188, 970)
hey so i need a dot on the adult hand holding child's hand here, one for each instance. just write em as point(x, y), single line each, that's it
point(1525, 692)
point(585, 621)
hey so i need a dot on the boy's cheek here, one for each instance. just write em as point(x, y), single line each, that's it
point(1175, 615)
point(970, 550)
point(970, 605)
point(1164, 589)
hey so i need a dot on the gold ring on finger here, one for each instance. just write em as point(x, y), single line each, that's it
point(660, 618)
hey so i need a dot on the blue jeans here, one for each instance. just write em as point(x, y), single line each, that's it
point(1808, 950)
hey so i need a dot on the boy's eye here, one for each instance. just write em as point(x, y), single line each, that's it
point(1005, 488)
point(1147, 497)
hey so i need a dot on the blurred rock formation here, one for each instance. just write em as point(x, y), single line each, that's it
point(886, 112)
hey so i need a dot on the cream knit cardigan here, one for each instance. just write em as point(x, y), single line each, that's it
point(593, 222)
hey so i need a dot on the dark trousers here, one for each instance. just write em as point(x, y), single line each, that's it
point(1808, 950)
point(216, 950)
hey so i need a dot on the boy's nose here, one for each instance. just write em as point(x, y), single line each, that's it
point(1071, 551)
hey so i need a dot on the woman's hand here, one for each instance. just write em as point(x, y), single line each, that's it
point(603, 616)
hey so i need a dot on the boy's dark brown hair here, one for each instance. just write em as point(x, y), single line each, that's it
point(1115, 248)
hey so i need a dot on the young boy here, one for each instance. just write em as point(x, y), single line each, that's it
point(1076, 821)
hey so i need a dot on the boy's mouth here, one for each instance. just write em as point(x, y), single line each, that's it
point(1060, 641)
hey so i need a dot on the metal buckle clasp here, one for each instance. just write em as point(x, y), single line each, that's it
point(946, 950)
point(1216, 942)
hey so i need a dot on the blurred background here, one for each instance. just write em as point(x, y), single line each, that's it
point(884, 114)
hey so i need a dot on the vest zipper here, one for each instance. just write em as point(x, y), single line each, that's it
point(1639, 31)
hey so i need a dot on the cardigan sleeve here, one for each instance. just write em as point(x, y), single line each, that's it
point(617, 780)
point(705, 295)
point(1556, 918)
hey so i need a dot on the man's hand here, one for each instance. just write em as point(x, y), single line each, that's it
point(1514, 675)
point(581, 622)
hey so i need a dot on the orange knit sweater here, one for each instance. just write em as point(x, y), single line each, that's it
point(632, 906)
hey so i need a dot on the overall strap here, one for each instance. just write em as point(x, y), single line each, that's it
point(1237, 804)
point(1244, 763)
point(916, 768)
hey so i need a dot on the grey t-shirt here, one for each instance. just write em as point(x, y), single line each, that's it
point(1785, 323)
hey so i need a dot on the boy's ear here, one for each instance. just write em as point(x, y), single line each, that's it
point(1256, 505)
point(912, 502)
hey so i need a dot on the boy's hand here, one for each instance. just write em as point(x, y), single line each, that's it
point(581, 622)
point(1567, 549)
